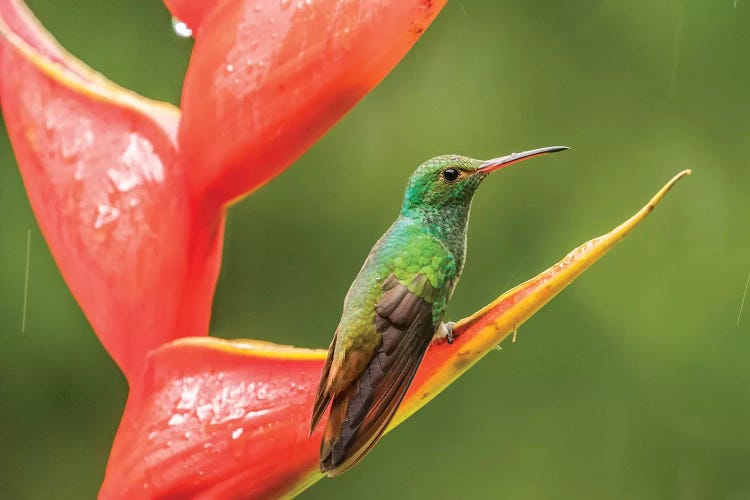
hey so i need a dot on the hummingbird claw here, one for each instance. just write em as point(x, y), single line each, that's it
point(445, 331)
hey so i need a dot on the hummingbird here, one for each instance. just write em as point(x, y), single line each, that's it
point(395, 306)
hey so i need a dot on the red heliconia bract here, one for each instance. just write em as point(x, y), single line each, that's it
point(130, 196)
point(103, 175)
point(268, 77)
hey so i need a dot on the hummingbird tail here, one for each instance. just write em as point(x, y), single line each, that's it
point(366, 390)
point(323, 395)
point(361, 413)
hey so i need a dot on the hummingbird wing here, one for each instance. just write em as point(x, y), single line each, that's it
point(361, 411)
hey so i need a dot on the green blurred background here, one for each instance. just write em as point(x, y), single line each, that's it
point(634, 383)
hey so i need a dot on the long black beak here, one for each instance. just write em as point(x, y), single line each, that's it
point(504, 161)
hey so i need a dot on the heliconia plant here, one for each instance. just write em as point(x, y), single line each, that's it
point(130, 195)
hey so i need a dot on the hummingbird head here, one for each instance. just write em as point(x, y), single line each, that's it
point(450, 181)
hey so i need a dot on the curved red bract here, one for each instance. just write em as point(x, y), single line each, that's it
point(267, 78)
point(102, 172)
point(234, 414)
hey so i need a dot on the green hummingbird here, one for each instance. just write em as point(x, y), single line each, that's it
point(395, 306)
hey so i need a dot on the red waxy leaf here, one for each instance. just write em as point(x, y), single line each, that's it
point(217, 419)
point(268, 77)
point(221, 419)
point(101, 169)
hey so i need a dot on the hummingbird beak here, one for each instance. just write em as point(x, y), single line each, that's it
point(504, 161)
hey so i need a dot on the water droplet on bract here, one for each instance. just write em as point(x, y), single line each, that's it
point(123, 179)
point(78, 172)
point(176, 419)
point(237, 433)
point(285, 4)
point(181, 29)
point(230, 68)
point(105, 215)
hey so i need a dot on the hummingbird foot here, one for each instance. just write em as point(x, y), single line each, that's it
point(444, 332)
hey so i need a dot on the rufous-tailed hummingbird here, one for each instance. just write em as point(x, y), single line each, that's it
point(396, 304)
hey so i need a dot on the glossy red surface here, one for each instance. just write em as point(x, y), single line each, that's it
point(103, 176)
point(216, 419)
point(268, 77)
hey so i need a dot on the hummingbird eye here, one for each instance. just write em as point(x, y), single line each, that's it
point(450, 174)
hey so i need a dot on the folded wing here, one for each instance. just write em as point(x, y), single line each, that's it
point(361, 412)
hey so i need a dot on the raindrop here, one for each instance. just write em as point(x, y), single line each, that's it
point(78, 172)
point(176, 419)
point(123, 179)
point(181, 29)
point(106, 214)
point(237, 433)
point(285, 4)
